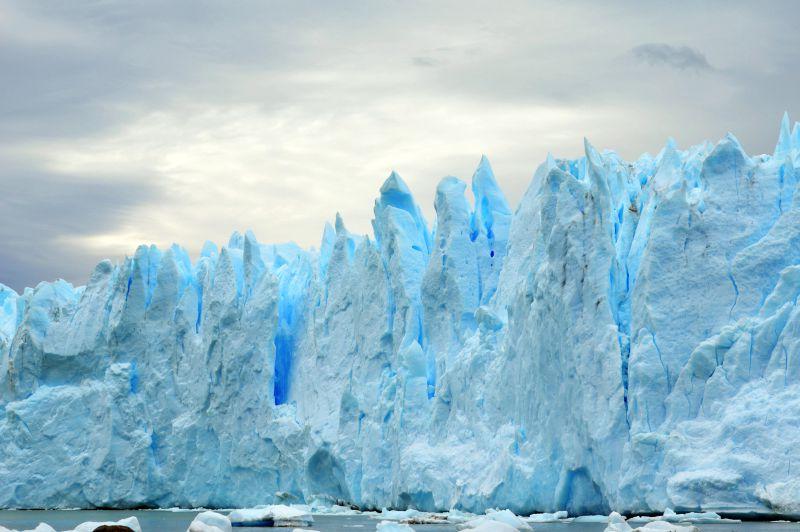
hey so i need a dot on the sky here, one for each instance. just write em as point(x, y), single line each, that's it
point(124, 123)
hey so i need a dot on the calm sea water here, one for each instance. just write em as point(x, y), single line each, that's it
point(166, 521)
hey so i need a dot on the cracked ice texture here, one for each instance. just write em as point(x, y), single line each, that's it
point(627, 339)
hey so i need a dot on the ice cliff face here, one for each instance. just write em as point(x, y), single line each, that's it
point(628, 339)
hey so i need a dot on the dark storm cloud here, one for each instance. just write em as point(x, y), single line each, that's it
point(680, 57)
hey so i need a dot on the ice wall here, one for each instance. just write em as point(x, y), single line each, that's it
point(627, 339)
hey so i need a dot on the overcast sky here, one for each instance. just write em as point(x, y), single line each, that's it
point(156, 122)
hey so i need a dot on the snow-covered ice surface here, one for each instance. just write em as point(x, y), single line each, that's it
point(628, 338)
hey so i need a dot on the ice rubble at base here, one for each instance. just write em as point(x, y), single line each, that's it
point(272, 515)
point(547, 517)
point(401, 520)
point(495, 520)
point(617, 523)
point(130, 522)
point(623, 340)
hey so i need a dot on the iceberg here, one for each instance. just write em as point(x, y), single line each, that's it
point(393, 526)
point(41, 527)
point(490, 526)
point(623, 339)
point(617, 523)
point(496, 518)
point(129, 523)
point(547, 517)
point(210, 522)
point(277, 515)
point(671, 516)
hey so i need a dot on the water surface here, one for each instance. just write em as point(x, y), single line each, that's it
point(169, 521)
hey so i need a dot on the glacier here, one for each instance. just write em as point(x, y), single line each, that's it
point(627, 339)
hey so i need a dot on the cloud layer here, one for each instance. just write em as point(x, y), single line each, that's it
point(680, 57)
point(138, 122)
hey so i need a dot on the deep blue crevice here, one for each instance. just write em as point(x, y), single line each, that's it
point(736, 293)
point(284, 347)
point(154, 447)
point(199, 310)
point(293, 287)
point(134, 378)
point(130, 281)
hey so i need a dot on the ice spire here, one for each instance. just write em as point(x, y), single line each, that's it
point(395, 194)
point(489, 226)
point(326, 247)
point(784, 146)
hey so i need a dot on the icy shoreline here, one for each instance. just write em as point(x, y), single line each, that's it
point(297, 516)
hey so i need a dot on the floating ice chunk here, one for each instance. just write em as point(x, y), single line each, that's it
point(458, 517)
point(41, 527)
point(392, 526)
point(591, 519)
point(90, 526)
point(272, 515)
point(547, 518)
point(664, 526)
point(415, 517)
point(493, 517)
point(691, 517)
point(321, 507)
point(508, 517)
point(210, 522)
point(426, 518)
point(617, 523)
point(398, 515)
point(490, 526)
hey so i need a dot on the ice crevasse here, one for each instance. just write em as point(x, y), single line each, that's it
point(627, 339)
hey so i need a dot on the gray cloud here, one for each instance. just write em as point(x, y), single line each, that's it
point(128, 122)
point(680, 57)
point(46, 215)
point(424, 61)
